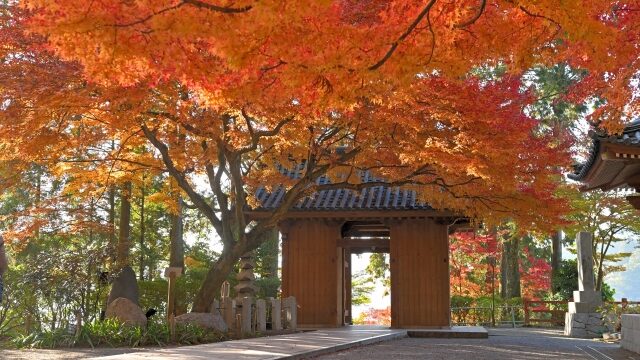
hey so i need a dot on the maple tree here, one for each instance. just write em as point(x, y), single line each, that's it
point(228, 93)
point(473, 258)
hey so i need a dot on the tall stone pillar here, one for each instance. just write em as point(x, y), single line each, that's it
point(582, 320)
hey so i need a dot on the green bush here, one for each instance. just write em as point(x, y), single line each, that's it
point(461, 301)
point(612, 314)
point(112, 333)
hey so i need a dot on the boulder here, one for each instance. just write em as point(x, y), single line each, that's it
point(125, 285)
point(126, 311)
point(211, 320)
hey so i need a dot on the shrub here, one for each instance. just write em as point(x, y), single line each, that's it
point(112, 333)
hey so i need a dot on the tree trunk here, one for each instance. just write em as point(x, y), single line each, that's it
point(504, 269)
point(142, 230)
point(556, 254)
point(510, 268)
point(176, 251)
point(514, 280)
point(112, 224)
point(124, 236)
point(599, 278)
point(216, 275)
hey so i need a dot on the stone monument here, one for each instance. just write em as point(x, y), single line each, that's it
point(582, 320)
point(246, 279)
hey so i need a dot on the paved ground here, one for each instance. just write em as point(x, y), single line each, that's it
point(516, 344)
point(513, 344)
point(66, 354)
point(292, 346)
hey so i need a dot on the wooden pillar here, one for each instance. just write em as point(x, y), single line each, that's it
point(348, 307)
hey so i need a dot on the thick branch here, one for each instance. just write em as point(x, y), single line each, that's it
point(196, 198)
point(196, 3)
point(222, 9)
point(257, 135)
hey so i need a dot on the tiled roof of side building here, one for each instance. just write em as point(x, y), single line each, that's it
point(630, 136)
point(370, 198)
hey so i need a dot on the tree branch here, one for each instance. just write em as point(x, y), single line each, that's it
point(404, 35)
point(222, 9)
point(257, 135)
point(483, 4)
point(196, 3)
point(196, 198)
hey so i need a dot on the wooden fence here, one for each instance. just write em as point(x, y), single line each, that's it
point(540, 312)
point(553, 312)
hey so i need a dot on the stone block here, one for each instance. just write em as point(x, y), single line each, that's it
point(594, 320)
point(246, 315)
point(583, 325)
point(587, 296)
point(261, 315)
point(630, 333)
point(291, 312)
point(575, 307)
point(205, 320)
point(276, 314)
point(229, 311)
point(126, 311)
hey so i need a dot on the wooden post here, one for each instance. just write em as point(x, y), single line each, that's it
point(526, 312)
point(172, 273)
point(276, 314)
point(261, 315)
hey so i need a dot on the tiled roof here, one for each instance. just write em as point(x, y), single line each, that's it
point(372, 198)
point(630, 136)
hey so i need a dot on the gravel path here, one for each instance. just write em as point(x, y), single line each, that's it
point(512, 344)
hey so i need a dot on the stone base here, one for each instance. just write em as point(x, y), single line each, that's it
point(631, 332)
point(583, 325)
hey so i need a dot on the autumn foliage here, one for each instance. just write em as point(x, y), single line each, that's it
point(229, 92)
point(475, 267)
